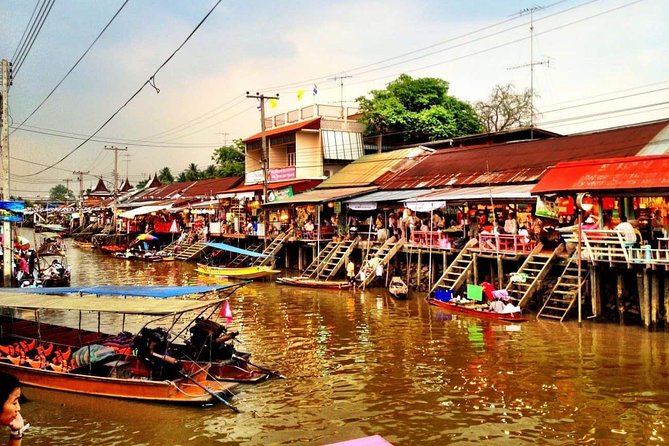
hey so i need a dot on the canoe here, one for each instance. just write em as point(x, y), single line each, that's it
point(83, 244)
point(398, 288)
point(480, 313)
point(248, 272)
point(101, 364)
point(313, 283)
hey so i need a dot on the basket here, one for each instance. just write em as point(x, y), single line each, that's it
point(443, 295)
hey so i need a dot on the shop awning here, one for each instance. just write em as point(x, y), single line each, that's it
point(616, 175)
point(463, 194)
point(324, 195)
point(144, 210)
point(297, 185)
point(370, 201)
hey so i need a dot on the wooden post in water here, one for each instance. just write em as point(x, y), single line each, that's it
point(646, 298)
point(595, 296)
point(475, 268)
point(666, 301)
point(654, 297)
point(619, 298)
point(500, 272)
point(640, 275)
point(419, 268)
point(300, 253)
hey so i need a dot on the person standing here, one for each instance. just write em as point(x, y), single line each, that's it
point(510, 224)
point(350, 272)
point(10, 393)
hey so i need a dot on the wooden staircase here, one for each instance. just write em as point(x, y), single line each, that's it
point(456, 273)
point(171, 247)
point(565, 291)
point(191, 251)
point(241, 258)
point(272, 250)
point(324, 254)
point(337, 259)
point(386, 252)
point(535, 268)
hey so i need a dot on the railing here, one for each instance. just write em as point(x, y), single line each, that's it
point(311, 111)
point(434, 239)
point(505, 244)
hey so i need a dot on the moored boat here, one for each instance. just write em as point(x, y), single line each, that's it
point(314, 283)
point(244, 272)
point(478, 311)
point(102, 364)
point(398, 288)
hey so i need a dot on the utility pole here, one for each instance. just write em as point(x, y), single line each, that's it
point(80, 178)
point(67, 193)
point(7, 257)
point(225, 138)
point(341, 94)
point(127, 157)
point(265, 155)
point(115, 204)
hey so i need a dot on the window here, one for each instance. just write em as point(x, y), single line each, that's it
point(342, 145)
point(292, 156)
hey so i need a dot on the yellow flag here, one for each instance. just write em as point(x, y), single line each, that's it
point(273, 103)
point(300, 93)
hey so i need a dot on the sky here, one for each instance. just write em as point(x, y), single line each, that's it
point(597, 64)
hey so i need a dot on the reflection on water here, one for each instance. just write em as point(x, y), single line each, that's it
point(360, 363)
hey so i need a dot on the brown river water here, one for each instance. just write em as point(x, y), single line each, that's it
point(362, 363)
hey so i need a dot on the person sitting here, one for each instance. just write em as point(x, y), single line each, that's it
point(627, 231)
point(10, 393)
point(497, 305)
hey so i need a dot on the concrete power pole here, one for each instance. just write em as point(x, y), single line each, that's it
point(4, 174)
point(80, 178)
point(114, 206)
point(67, 186)
point(265, 155)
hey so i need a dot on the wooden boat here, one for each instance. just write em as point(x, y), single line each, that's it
point(247, 272)
point(101, 364)
point(398, 288)
point(313, 283)
point(83, 244)
point(52, 267)
point(478, 312)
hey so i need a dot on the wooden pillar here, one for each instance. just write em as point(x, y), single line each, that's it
point(666, 300)
point(595, 295)
point(654, 297)
point(500, 273)
point(419, 268)
point(286, 260)
point(646, 298)
point(640, 275)
point(619, 298)
point(475, 267)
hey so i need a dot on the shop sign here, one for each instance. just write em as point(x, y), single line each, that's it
point(547, 208)
point(282, 173)
point(361, 206)
point(279, 194)
point(254, 177)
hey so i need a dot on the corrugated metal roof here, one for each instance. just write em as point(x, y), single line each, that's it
point(522, 162)
point(309, 124)
point(367, 169)
point(388, 195)
point(297, 185)
point(323, 195)
point(613, 174)
point(461, 194)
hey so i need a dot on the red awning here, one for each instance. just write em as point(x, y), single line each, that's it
point(298, 186)
point(309, 124)
point(632, 174)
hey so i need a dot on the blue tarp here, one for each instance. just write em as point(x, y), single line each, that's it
point(226, 247)
point(130, 290)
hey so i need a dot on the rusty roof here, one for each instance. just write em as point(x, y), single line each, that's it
point(276, 131)
point(524, 162)
point(188, 189)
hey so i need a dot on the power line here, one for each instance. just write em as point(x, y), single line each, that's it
point(150, 81)
point(32, 37)
point(25, 31)
point(71, 69)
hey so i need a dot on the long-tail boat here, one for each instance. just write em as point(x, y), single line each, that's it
point(115, 365)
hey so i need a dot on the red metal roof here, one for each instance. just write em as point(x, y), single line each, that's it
point(521, 162)
point(613, 174)
point(211, 187)
point(298, 186)
point(100, 188)
point(308, 124)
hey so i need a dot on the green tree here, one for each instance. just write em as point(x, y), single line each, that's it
point(230, 159)
point(192, 173)
point(416, 110)
point(165, 176)
point(60, 193)
point(505, 109)
point(142, 183)
point(210, 172)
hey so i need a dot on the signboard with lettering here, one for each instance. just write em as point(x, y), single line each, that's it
point(282, 173)
point(278, 194)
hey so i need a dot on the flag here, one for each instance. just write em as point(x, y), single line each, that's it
point(315, 90)
point(226, 312)
point(273, 103)
point(300, 93)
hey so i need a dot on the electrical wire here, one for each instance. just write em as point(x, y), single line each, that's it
point(25, 30)
point(72, 68)
point(149, 81)
point(32, 37)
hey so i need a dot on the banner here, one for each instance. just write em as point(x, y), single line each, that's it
point(547, 209)
point(279, 194)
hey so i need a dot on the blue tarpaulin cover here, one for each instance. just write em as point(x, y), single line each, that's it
point(130, 290)
point(226, 247)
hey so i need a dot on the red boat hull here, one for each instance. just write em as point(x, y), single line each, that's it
point(483, 314)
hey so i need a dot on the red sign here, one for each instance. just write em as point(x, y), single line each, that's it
point(566, 206)
point(282, 173)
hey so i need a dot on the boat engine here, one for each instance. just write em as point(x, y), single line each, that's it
point(151, 345)
point(209, 339)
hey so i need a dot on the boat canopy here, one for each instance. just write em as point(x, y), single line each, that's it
point(226, 247)
point(160, 292)
point(150, 307)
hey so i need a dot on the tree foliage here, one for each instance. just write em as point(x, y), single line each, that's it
point(230, 159)
point(165, 176)
point(60, 193)
point(416, 110)
point(505, 109)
